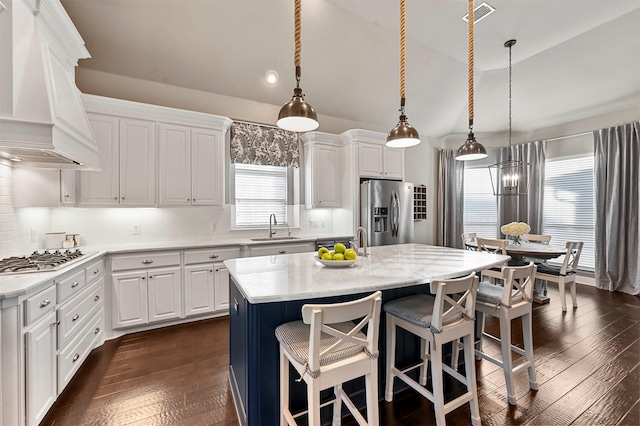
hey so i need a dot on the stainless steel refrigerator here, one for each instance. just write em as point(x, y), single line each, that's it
point(386, 211)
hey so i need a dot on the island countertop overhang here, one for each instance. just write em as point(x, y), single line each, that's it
point(267, 279)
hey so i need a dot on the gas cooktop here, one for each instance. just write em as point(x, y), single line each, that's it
point(39, 261)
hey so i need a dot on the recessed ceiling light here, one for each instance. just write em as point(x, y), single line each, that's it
point(271, 77)
point(480, 13)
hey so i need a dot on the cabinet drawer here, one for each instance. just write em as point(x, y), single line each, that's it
point(39, 305)
point(211, 255)
point(71, 285)
point(149, 260)
point(74, 315)
point(282, 249)
point(95, 270)
point(72, 357)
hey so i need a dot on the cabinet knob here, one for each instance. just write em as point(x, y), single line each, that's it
point(95, 271)
point(282, 251)
point(143, 278)
point(213, 256)
point(66, 196)
point(194, 199)
point(211, 270)
point(188, 199)
point(115, 198)
point(44, 303)
point(75, 318)
point(96, 298)
point(122, 198)
point(75, 357)
point(75, 284)
point(147, 262)
point(97, 330)
point(150, 276)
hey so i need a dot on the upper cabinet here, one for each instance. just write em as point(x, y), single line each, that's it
point(322, 169)
point(190, 166)
point(148, 150)
point(43, 187)
point(374, 159)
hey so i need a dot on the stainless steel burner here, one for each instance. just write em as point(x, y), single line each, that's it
point(39, 261)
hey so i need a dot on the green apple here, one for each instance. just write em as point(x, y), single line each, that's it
point(322, 251)
point(327, 256)
point(350, 254)
point(339, 248)
point(338, 256)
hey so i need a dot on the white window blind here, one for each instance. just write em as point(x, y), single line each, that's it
point(569, 205)
point(259, 192)
point(480, 205)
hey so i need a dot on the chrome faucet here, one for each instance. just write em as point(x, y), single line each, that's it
point(275, 222)
point(361, 237)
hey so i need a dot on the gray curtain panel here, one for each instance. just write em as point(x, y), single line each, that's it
point(263, 145)
point(450, 199)
point(617, 191)
point(526, 207)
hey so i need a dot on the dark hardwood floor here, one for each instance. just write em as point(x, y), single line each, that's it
point(587, 364)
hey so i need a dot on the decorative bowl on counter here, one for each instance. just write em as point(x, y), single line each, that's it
point(336, 263)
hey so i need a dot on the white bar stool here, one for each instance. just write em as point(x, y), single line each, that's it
point(491, 245)
point(437, 321)
point(327, 349)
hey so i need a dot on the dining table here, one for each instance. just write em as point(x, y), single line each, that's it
point(521, 254)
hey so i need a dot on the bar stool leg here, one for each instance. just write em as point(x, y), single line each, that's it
point(424, 351)
point(337, 405)
point(573, 293)
point(480, 317)
point(470, 370)
point(391, 357)
point(284, 387)
point(437, 382)
point(313, 401)
point(371, 383)
point(507, 361)
point(563, 297)
point(527, 335)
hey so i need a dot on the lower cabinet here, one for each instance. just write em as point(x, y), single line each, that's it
point(40, 351)
point(146, 296)
point(271, 249)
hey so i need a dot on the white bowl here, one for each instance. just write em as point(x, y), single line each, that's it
point(336, 263)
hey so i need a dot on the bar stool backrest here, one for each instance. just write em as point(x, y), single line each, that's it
point(518, 284)
point(493, 245)
point(320, 317)
point(448, 311)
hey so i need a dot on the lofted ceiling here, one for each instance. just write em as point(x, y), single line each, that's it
point(573, 58)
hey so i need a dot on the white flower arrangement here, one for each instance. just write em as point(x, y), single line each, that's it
point(515, 230)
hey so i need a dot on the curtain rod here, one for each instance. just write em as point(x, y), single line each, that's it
point(569, 136)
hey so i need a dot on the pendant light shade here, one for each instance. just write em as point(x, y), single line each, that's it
point(403, 135)
point(471, 150)
point(297, 115)
point(510, 177)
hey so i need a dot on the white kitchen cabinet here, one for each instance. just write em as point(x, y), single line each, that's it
point(378, 161)
point(190, 166)
point(40, 350)
point(127, 160)
point(147, 288)
point(288, 248)
point(207, 279)
point(43, 187)
point(322, 170)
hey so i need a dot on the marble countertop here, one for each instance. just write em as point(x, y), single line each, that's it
point(14, 285)
point(299, 276)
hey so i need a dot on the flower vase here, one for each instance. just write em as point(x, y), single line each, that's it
point(515, 240)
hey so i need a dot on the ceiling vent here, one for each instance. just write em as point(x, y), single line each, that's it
point(480, 12)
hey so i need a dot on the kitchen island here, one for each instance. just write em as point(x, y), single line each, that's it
point(270, 290)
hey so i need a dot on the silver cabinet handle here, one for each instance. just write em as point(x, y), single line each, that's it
point(95, 271)
point(188, 199)
point(96, 298)
point(213, 256)
point(211, 270)
point(75, 284)
point(122, 198)
point(66, 196)
point(75, 318)
point(236, 305)
point(194, 199)
point(282, 251)
point(75, 357)
point(143, 278)
point(97, 330)
point(147, 262)
point(44, 303)
point(150, 276)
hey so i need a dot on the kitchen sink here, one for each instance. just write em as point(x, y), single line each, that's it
point(274, 238)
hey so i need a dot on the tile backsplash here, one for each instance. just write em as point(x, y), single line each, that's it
point(22, 230)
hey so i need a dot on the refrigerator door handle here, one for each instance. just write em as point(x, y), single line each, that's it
point(395, 213)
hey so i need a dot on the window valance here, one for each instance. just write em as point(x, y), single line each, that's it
point(263, 145)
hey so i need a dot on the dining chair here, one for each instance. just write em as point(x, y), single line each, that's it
point(537, 238)
point(565, 273)
point(468, 236)
point(492, 246)
point(447, 317)
point(327, 348)
point(508, 302)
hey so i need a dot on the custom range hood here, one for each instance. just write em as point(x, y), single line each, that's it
point(42, 119)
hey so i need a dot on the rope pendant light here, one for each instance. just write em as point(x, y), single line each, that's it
point(403, 135)
point(471, 150)
point(510, 177)
point(297, 115)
